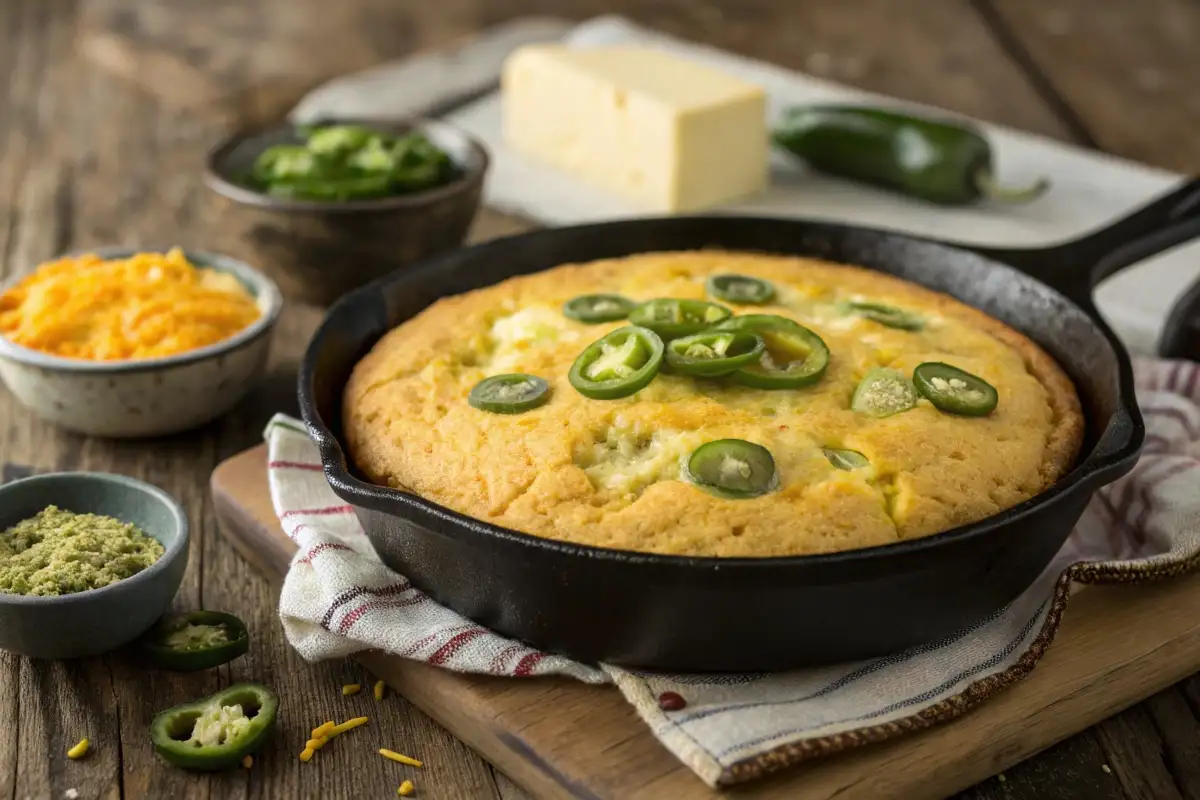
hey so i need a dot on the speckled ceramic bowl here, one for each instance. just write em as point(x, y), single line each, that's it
point(99, 620)
point(148, 397)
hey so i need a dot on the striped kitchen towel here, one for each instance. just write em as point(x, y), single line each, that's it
point(339, 599)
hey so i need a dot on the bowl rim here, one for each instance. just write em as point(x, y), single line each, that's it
point(171, 551)
point(267, 295)
point(472, 174)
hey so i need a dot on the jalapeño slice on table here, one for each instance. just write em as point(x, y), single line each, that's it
point(196, 640)
point(218, 731)
point(883, 392)
point(617, 365)
point(845, 459)
point(732, 468)
point(955, 391)
point(740, 289)
point(670, 317)
point(509, 394)
point(593, 308)
point(713, 353)
point(887, 315)
point(793, 356)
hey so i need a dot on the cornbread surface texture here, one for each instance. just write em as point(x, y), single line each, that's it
point(610, 473)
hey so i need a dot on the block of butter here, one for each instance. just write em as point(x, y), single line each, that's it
point(666, 133)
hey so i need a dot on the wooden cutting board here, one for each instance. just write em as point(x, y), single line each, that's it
point(563, 739)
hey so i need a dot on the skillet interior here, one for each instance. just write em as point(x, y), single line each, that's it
point(560, 597)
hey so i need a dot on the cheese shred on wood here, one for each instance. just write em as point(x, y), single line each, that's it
point(405, 789)
point(348, 725)
point(148, 305)
point(399, 758)
point(79, 750)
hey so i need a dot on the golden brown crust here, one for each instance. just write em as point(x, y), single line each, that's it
point(607, 473)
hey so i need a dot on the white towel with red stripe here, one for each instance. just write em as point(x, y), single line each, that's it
point(339, 599)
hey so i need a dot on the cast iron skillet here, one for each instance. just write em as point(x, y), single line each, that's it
point(744, 614)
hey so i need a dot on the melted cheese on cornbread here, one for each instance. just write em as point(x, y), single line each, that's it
point(610, 472)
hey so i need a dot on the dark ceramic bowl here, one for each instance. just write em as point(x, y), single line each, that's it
point(98, 620)
point(319, 250)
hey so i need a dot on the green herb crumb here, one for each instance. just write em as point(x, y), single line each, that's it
point(58, 552)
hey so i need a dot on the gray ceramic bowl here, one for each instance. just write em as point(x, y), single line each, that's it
point(153, 396)
point(99, 620)
point(321, 250)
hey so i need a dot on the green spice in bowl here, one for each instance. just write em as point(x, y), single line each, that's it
point(88, 562)
point(57, 552)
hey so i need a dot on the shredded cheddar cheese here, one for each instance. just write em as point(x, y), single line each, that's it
point(248, 762)
point(79, 750)
point(351, 688)
point(399, 758)
point(380, 687)
point(146, 306)
point(323, 730)
point(348, 725)
point(405, 789)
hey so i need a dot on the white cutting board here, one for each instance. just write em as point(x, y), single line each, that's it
point(1089, 189)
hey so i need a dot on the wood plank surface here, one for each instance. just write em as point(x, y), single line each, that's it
point(106, 109)
point(530, 729)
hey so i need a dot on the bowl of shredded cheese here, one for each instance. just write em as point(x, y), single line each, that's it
point(133, 343)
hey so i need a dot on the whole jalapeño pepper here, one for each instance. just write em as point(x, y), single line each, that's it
point(196, 640)
point(939, 161)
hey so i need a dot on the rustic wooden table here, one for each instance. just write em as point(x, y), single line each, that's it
point(106, 107)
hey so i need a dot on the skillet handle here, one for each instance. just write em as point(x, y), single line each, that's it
point(1076, 266)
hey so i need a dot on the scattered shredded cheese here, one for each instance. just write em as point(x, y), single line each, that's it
point(79, 750)
point(248, 762)
point(323, 730)
point(351, 688)
point(316, 744)
point(399, 758)
point(405, 789)
point(380, 686)
point(306, 754)
point(348, 725)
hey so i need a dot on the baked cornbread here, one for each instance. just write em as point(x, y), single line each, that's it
point(612, 473)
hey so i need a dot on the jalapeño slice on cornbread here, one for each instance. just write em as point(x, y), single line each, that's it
point(954, 390)
point(618, 365)
point(596, 308)
point(714, 353)
point(793, 355)
point(732, 468)
point(672, 317)
point(740, 289)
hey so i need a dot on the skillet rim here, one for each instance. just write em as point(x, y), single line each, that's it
point(1085, 472)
